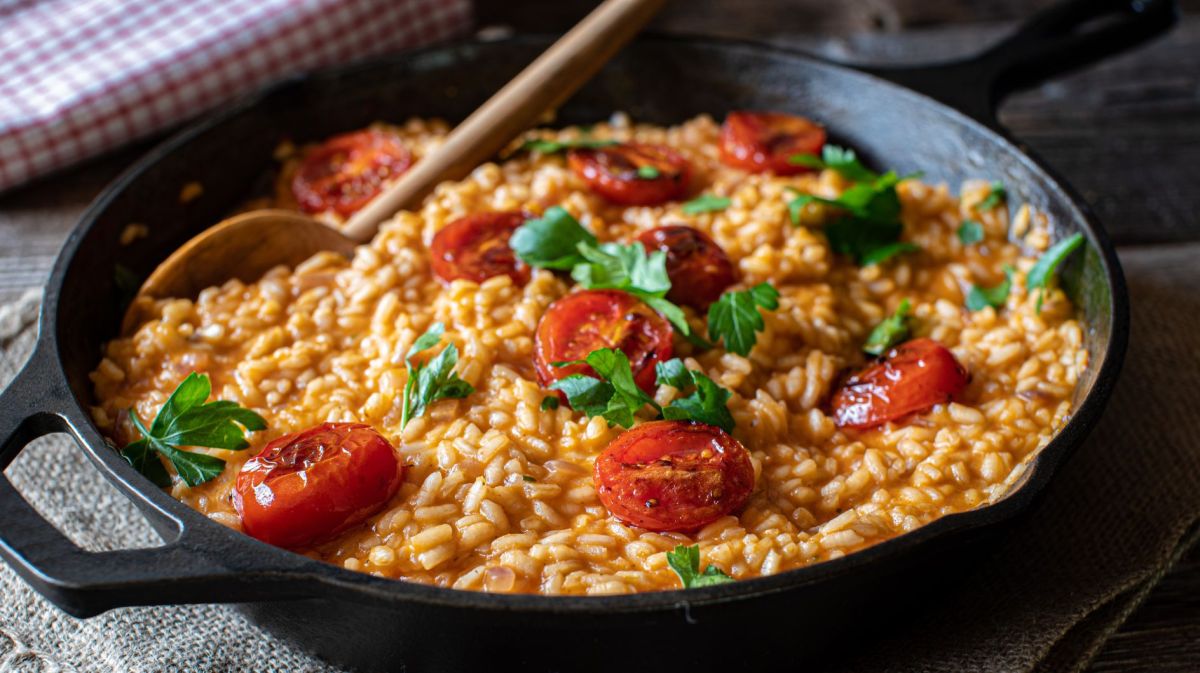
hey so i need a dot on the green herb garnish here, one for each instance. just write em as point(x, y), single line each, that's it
point(685, 561)
point(558, 241)
point(708, 402)
point(997, 195)
point(614, 395)
point(706, 203)
point(979, 298)
point(891, 331)
point(970, 232)
point(187, 420)
point(431, 381)
point(528, 479)
point(551, 241)
point(648, 172)
point(869, 230)
point(554, 146)
point(736, 317)
point(839, 159)
point(1043, 270)
point(550, 403)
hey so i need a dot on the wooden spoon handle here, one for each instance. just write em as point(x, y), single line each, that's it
point(544, 84)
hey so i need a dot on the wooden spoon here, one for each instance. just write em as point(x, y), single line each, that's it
point(248, 245)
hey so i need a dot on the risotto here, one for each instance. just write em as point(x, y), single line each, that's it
point(495, 485)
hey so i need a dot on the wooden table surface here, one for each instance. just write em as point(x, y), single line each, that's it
point(1126, 134)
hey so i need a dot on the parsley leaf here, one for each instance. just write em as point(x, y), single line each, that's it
point(998, 195)
point(707, 404)
point(614, 395)
point(979, 298)
point(870, 229)
point(549, 403)
point(840, 159)
point(431, 381)
point(706, 203)
point(735, 317)
point(891, 331)
point(185, 419)
point(554, 146)
point(970, 232)
point(648, 172)
point(551, 241)
point(558, 241)
point(1043, 270)
point(628, 267)
point(685, 561)
point(617, 266)
point(673, 373)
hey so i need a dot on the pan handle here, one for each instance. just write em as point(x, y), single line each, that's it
point(84, 583)
point(1065, 37)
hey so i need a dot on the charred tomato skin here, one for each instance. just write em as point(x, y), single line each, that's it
point(582, 322)
point(612, 171)
point(673, 475)
point(306, 487)
point(346, 171)
point(765, 141)
point(910, 379)
point(698, 268)
point(475, 247)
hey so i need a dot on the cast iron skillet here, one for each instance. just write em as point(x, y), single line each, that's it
point(383, 624)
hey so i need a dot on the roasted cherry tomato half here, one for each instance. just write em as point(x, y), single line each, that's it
point(631, 174)
point(673, 475)
point(475, 248)
point(910, 379)
point(306, 487)
point(582, 322)
point(347, 171)
point(766, 141)
point(698, 268)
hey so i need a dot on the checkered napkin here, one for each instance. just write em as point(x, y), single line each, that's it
point(78, 77)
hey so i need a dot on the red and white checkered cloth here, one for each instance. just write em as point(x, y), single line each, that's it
point(78, 77)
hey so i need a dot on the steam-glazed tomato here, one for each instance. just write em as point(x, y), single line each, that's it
point(582, 322)
point(347, 171)
point(765, 141)
point(911, 378)
point(698, 268)
point(631, 174)
point(475, 247)
point(673, 475)
point(308, 486)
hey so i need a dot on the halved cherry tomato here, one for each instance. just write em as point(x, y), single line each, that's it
point(582, 322)
point(475, 247)
point(911, 378)
point(632, 174)
point(347, 171)
point(765, 141)
point(698, 268)
point(305, 487)
point(673, 475)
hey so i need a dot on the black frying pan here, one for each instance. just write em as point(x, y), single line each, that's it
point(383, 624)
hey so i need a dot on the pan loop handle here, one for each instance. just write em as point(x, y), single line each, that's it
point(1065, 37)
point(84, 583)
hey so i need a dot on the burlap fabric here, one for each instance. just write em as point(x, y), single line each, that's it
point(1060, 581)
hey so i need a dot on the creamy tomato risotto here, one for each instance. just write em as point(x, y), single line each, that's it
point(624, 358)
